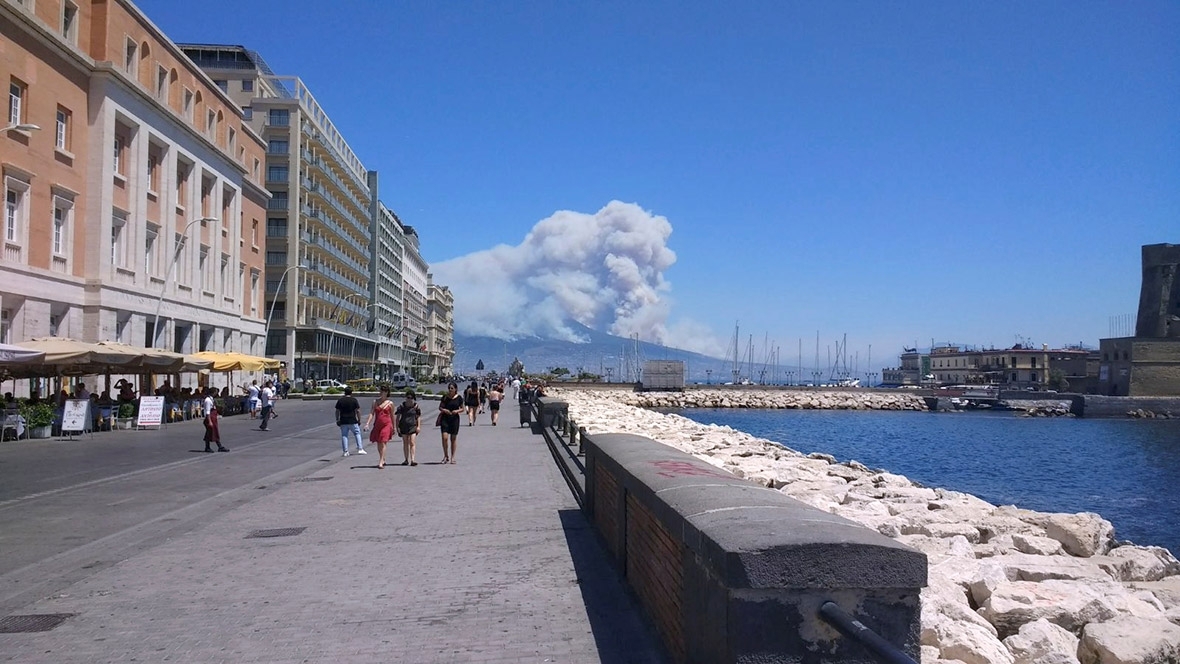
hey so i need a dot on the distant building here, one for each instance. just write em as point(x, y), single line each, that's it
point(1148, 364)
point(914, 369)
point(440, 330)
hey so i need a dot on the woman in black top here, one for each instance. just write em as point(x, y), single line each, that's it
point(471, 400)
point(450, 409)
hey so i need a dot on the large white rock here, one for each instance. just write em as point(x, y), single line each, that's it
point(1130, 640)
point(1139, 563)
point(1082, 534)
point(967, 642)
point(1067, 603)
point(1025, 567)
point(1041, 546)
point(1042, 642)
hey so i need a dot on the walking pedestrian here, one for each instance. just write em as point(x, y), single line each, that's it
point(348, 419)
point(266, 398)
point(253, 400)
point(471, 401)
point(212, 432)
point(483, 396)
point(515, 387)
point(494, 399)
point(381, 421)
point(450, 410)
point(409, 423)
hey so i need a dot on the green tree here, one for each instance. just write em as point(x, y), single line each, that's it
point(1057, 380)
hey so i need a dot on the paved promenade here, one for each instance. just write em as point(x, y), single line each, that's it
point(486, 560)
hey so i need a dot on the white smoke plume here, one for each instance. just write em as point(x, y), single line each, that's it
point(603, 270)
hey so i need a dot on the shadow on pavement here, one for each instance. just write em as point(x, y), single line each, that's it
point(621, 633)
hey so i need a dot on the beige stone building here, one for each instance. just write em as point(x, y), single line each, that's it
point(440, 328)
point(1148, 364)
point(1018, 367)
point(137, 198)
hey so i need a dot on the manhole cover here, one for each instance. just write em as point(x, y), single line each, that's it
point(32, 623)
point(314, 479)
point(277, 532)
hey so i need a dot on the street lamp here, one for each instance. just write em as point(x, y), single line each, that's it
point(168, 276)
point(20, 126)
point(278, 289)
point(332, 336)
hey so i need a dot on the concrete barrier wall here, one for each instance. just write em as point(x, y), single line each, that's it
point(1102, 406)
point(730, 571)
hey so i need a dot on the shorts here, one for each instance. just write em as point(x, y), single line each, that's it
point(494, 405)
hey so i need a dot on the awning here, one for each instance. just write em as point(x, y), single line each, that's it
point(231, 361)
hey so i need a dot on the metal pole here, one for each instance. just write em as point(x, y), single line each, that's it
point(168, 277)
point(269, 316)
point(332, 336)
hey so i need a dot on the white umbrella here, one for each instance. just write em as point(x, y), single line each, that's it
point(10, 355)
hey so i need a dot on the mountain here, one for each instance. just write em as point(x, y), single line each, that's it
point(599, 353)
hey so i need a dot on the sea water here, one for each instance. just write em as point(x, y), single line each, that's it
point(1128, 471)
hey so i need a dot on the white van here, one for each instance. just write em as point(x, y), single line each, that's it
point(400, 381)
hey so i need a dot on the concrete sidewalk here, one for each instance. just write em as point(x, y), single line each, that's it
point(487, 560)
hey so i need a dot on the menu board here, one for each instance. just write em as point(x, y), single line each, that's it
point(75, 417)
point(151, 412)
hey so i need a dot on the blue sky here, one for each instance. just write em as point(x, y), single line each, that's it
point(975, 172)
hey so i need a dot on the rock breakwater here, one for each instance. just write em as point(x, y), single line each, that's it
point(795, 399)
point(1006, 585)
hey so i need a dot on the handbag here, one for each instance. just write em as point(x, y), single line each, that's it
point(438, 420)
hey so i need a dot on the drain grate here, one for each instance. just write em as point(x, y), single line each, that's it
point(277, 532)
point(315, 479)
point(42, 622)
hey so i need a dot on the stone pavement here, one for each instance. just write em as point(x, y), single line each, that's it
point(486, 560)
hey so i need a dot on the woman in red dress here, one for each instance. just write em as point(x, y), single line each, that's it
point(381, 419)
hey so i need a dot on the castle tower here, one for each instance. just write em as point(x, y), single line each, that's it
point(1159, 295)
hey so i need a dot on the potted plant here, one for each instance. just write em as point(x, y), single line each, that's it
point(38, 419)
point(125, 418)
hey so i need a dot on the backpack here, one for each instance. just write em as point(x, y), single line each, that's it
point(408, 420)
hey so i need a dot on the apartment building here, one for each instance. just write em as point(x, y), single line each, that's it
point(414, 290)
point(388, 280)
point(134, 206)
point(321, 222)
point(1018, 367)
point(440, 328)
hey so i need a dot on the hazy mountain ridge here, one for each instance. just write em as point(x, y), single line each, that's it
point(599, 352)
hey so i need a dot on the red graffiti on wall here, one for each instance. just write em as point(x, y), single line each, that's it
point(669, 468)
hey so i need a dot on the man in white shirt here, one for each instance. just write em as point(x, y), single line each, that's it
point(515, 387)
point(267, 395)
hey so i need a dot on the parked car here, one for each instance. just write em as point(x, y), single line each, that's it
point(328, 383)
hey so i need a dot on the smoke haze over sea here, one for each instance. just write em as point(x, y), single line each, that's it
point(604, 270)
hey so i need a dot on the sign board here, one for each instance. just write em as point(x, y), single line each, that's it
point(76, 416)
point(151, 412)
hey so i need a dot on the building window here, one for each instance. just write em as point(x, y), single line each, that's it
point(1014, 377)
point(279, 117)
point(118, 236)
point(13, 208)
point(278, 201)
point(276, 258)
point(5, 325)
point(210, 118)
point(62, 136)
point(149, 248)
point(247, 85)
point(276, 173)
point(129, 58)
point(278, 147)
point(69, 21)
point(1032, 377)
point(254, 233)
point(203, 267)
point(118, 155)
point(224, 277)
point(276, 228)
point(16, 101)
point(63, 210)
point(188, 104)
point(233, 140)
point(162, 84)
point(247, 113)
point(224, 85)
point(153, 172)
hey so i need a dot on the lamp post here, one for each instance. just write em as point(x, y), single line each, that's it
point(168, 276)
point(270, 315)
point(332, 336)
point(20, 126)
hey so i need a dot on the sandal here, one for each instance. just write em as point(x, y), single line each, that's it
point(446, 460)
